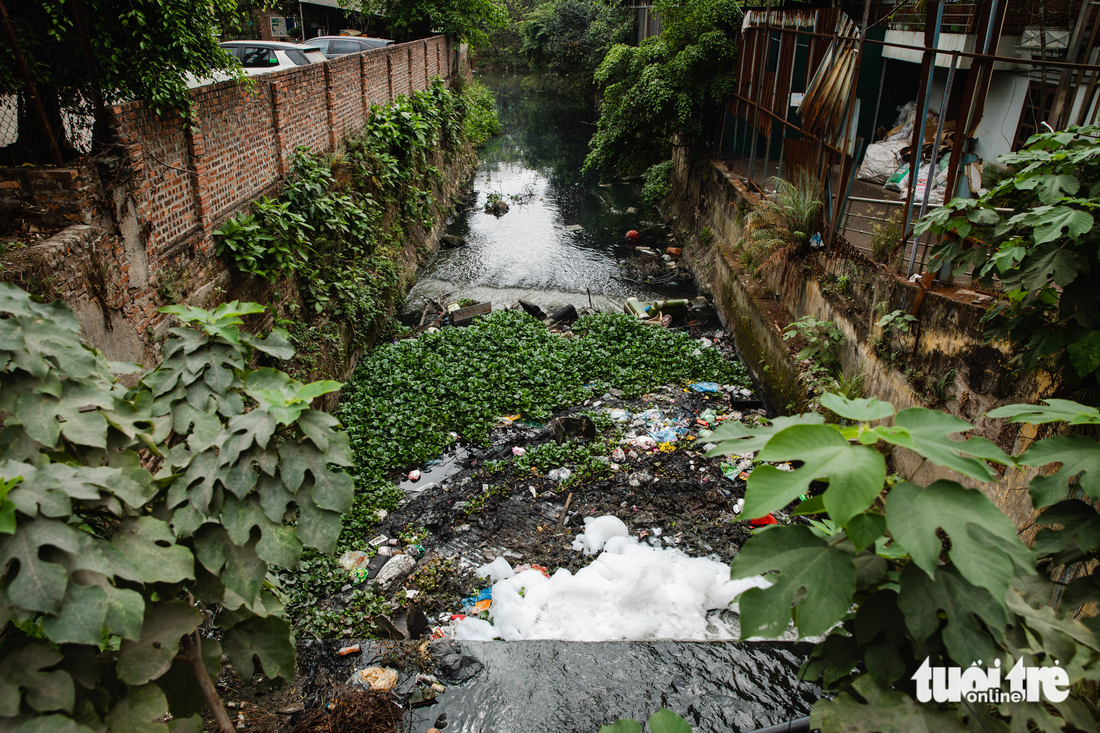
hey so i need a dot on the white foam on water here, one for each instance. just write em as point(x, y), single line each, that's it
point(630, 591)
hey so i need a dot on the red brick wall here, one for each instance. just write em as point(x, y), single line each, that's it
point(375, 77)
point(55, 197)
point(239, 147)
point(399, 68)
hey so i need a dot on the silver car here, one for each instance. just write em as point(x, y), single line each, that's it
point(332, 46)
point(262, 57)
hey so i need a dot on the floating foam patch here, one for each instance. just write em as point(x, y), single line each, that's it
point(630, 591)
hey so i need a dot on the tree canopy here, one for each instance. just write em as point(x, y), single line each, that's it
point(142, 49)
point(664, 85)
point(467, 20)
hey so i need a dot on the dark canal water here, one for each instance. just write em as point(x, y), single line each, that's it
point(536, 250)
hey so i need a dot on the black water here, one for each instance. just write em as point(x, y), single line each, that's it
point(531, 250)
point(575, 687)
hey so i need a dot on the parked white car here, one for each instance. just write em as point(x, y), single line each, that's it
point(263, 57)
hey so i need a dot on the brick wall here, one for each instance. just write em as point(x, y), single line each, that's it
point(171, 186)
point(56, 197)
point(241, 142)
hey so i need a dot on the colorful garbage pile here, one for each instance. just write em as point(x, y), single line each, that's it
point(410, 685)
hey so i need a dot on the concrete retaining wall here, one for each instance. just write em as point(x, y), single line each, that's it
point(947, 366)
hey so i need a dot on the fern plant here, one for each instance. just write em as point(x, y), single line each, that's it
point(782, 226)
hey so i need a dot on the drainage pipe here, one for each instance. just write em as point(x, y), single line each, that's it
point(802, 725)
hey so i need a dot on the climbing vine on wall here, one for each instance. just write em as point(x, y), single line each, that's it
point(339, 223)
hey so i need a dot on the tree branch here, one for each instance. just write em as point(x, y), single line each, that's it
point(192, 646)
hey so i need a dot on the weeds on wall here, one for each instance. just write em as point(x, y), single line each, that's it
point(339, 223)
point(783, 225)
point(820, 358)
point(411, 400)
point(886, 236)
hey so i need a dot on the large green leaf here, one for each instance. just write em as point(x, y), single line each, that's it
point(929, 434)
point(269, 639)
point(53, 724)
point(82, 616)
point(965, 606)
point(236, 565)
point(1084, 352)
point(149, 544)
point(885, 711)
point(1049, 221)
point(803, 568)
point(914, 514)
point(1059, 636)
point(863, 529)
point(36, 585)
point(855, 472)
point(22, 669)
point(734, 438)
point(1080, 459)
point(1050, 187)
point(151, 655)
point(1079, 535)
point(865, 409)
point(141, 711)
point(331, 490)
point(666, 721)
point(1054, 411)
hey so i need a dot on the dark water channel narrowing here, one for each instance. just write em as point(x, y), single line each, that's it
point(536, 249)
point(561, 246)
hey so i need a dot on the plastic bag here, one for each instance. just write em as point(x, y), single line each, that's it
point(451, 663)
point(880, 161)
point(706, 387)
point(354, 560)
point(379, 679)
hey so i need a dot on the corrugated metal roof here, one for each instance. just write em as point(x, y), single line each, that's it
point(825, 104)
point(779, 19)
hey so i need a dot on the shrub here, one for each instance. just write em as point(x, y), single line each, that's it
point(131, 517)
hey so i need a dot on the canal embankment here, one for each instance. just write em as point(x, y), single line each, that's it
point(942, 361)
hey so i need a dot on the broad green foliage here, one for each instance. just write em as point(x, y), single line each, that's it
point(658, 183)
point(468, 20)
point(569, 38)
point(407, 398)
point(142, 50)
point(663, 86)
point(822, 339)
point(1045, 256)
point(331, 235)
point(662, 721)
point(481, 121)
point(901, 572)
point(112, 549)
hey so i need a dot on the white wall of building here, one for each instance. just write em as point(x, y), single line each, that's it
point(1003, 106)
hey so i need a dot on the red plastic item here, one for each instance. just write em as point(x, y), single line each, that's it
point(633, 235)
point(761, 521)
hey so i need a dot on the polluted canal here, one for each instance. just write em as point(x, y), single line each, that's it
point(540, 541)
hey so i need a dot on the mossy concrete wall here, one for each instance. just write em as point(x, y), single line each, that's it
point(944, 363)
